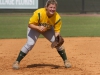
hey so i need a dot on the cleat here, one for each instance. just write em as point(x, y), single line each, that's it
point(67, 64)
point(16, 65)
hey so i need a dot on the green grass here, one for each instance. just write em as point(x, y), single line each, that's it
point(73, 26)
point(13, 26)
point(81, 26)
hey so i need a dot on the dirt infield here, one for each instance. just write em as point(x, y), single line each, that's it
point(83, 53)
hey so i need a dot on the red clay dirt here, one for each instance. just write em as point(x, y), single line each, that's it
point(83, 53)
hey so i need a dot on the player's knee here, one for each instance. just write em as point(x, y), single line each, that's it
point(60, 48)
point(29, 45)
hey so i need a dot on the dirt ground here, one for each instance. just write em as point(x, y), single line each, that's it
point(83, 53)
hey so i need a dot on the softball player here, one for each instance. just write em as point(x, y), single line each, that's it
point(45, 21)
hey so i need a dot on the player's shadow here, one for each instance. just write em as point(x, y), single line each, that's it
point(43, 65)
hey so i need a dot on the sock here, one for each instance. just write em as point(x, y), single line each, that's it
point(63, 54)
point(20, 56)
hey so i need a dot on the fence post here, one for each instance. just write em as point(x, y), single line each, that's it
point(83, 7)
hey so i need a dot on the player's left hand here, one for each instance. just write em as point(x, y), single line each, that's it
point(42, 28)
point(58, 41)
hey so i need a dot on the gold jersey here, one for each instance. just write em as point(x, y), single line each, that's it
point(39, 17)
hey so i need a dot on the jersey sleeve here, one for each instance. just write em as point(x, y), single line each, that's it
point(34, 19)
point(57, 26)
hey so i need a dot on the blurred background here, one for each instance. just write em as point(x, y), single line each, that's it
point(15, 15)
point(64, 6)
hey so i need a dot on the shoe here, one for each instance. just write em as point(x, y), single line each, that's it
point(67, 64)
point(16, 65)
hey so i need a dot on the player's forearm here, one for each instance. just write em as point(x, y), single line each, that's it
point(57, 33)
point(33, 26)
point(38, 28)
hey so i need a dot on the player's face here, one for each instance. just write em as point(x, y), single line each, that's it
point(51, 9)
